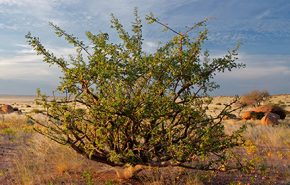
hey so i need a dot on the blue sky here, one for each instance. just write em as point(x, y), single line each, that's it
point(262, 26)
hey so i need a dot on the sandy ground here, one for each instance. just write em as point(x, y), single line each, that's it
point(16, 99)
point(23, 103)
point(26, 104)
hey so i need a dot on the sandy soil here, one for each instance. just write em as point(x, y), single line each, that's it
point(23, 103)
point(26, 104)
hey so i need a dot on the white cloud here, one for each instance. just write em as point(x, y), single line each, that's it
point(25, 71)
point(265, 60)
point(29, 53)
point(14, 60)
point(254, 73)
point(252, 23)
point(260, 66)
point(42, 4)
point(124, 9)
point(150, 46)
point(26, 65)
point(8, 2)
point(34, 12)
point(7, 26)
point(264, 14)
point(267, 72)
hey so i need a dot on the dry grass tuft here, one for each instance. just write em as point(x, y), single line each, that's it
point(267, 148)
point(263, 135)
point(128, 172)
point(48, 160)
point(38, 160)
point(170, 176)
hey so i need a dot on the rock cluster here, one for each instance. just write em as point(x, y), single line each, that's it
point(7, 109)
point(268, 114)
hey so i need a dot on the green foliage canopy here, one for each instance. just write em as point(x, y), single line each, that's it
point(124, 105)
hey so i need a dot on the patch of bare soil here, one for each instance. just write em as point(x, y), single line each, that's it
point(8, 151)
point(54, 171)
point(14, 161)
point(32, 159)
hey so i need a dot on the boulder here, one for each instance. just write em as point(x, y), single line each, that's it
point(6, 109)
point(258, 115)
point(270, 119)
point(263, 108)
point(252, 115)
point(247, 115)
point(15, 109)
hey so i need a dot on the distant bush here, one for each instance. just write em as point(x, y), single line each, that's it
point(254, 98)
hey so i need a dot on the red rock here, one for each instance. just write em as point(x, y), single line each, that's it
point(273, 109)
point(270, 119)
point(247, 115)
point(6, 109)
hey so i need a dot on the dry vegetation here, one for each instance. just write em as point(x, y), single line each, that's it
point(29, 158)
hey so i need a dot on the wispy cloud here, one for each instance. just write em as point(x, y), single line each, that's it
point(150, 46)
point(263, 72)
point(263, 14)
point(25, 64)
point(33, 12)
point(15, 60)
point(260, 66)
point(262, 26)
point(258, 73)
